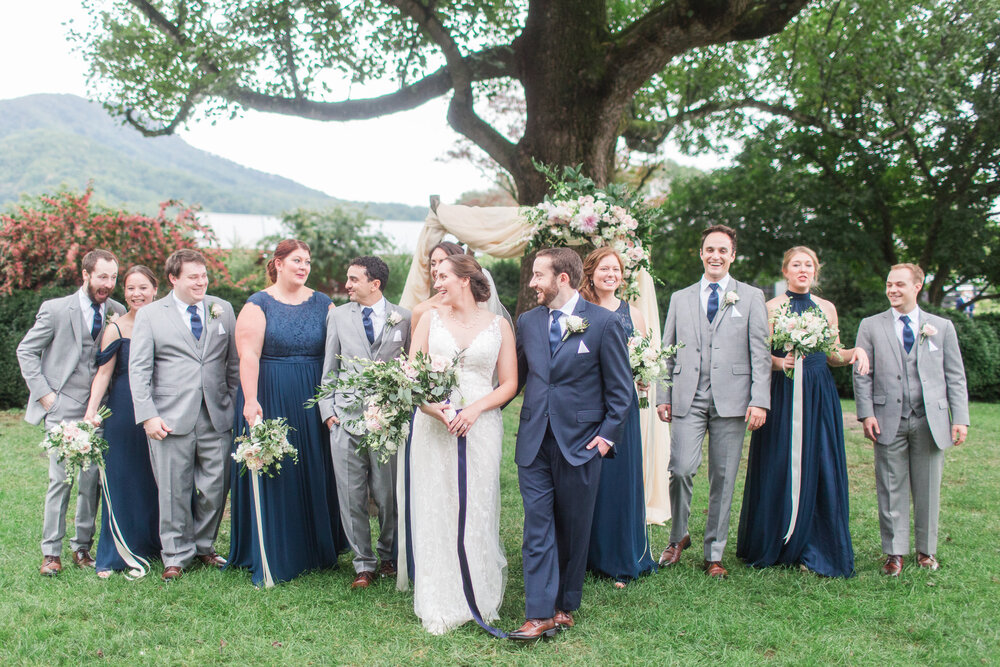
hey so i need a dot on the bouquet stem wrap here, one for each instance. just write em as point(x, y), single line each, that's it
point(795, 460)
point(138, 566)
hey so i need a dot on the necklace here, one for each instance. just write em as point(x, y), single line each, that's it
point(475, 319)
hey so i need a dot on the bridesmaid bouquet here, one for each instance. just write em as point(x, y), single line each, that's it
point(77, 444)
point(649, 361)
point(802, 333)
point(263, 448)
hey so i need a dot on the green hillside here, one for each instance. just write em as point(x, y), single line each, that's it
point(50, 141)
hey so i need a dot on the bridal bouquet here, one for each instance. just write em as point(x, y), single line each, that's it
point(649, 361)
point(77, 444)
point(802, 333)
point(263, 448)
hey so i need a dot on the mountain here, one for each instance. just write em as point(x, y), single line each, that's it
point(49, 141)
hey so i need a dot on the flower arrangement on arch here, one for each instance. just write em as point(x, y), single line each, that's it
point(578, 212)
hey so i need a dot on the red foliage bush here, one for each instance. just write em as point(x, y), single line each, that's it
point(42, 243)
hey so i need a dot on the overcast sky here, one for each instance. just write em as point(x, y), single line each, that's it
point(393, 158)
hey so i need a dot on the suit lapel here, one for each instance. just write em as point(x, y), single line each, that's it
point(723, 306)
point(694, 303)
point(386, 335)
point(206, 328)
point(75, 320)
point(174, 315)
point(541, 351)
point(359, 328)
point(580, 311)
point(889, 329)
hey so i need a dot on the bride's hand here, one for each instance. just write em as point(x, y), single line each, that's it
point(435, 410)
point(464, 420)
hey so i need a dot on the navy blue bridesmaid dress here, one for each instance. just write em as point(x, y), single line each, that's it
point(619, 544)
point(822, 539)
point(130, 476)
point(299, 507)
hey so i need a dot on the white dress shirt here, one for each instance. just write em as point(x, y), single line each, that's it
point(706, 291)
point(914, 316)
point(186, 316)
point(378, 315)
point(566, 310)
point(87, 308)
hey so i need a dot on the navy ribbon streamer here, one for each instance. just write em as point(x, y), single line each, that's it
point(463, 559)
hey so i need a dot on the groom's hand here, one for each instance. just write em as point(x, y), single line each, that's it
point(602, 445)
point(156, 428)
point(663, 411)
point(755, 417)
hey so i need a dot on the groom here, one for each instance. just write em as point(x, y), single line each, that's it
point(913, 406)
point(369, 327)
point(184, 372)
point(573, 366)
point(721, 386)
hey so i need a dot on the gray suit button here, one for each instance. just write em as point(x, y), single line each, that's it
point(899, 377)
point(899, 400)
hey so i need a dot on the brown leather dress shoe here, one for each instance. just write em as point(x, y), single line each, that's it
point(51, 566)
point(927, 561)
point(212, 559)
point(893, 566)
point(672, 553)
point(387, 568)
point(82, 558)
point(171, 573)
point(564, 619)
point(713, 568)
point(535, 628)
point(363, 580)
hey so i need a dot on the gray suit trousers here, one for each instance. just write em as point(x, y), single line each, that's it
point(359, 475)
point(192, 475)
point(725, 447)
point(909, 465)
point(88, 489)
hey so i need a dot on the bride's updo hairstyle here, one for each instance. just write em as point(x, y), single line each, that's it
point(587, 289)
point(464, 266)
point(284, 249)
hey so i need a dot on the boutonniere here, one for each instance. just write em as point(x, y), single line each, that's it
point(927, 331)
point(392, 319)
point(575, 324)
point(113, 317)
point(730, 298)
point(214, 312)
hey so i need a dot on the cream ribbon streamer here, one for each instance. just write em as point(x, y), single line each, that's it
point(255, 486)
point(796, 454)
point(138, 566)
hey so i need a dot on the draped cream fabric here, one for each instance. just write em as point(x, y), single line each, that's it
point(499, 231)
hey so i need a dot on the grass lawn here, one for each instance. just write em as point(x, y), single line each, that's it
point(680, 616)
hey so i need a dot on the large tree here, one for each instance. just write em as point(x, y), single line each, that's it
point(580, 63)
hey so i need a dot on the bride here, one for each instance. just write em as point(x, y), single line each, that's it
point(486, 342)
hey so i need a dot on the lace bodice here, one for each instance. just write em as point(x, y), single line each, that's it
point(293, 331)
point(477, 363)
point(624, 314)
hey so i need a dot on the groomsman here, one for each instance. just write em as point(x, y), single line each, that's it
point(57, 359)
point(184, 372)
point(913, 406)
point(721, 386)
point(369, 327)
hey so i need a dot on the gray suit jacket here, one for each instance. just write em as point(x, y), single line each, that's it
point(172, 373)
point(345, 336)
point(942, 377)
point(49, 354)
point(741, 360)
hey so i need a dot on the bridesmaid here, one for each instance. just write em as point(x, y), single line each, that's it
point(821, 541)
point(127, 468)
point(281, 337)
point(619, 546)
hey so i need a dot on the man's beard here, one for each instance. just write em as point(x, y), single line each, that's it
point(94, 295)
point(549, 294)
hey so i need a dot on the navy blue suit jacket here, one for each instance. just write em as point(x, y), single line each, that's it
point(581, 391)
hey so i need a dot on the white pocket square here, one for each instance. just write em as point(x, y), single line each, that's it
point(222, 330)
point(931, 347)
point(397, 336)
point(736, 313)
point(583, 349)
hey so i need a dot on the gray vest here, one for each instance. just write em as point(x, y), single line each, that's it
point(705, 376)
point(77, 386)
point(913, 393)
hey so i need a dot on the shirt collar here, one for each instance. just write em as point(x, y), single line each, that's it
point(378, 308)
point(914, 315)
point(85, 302)
point(569, 306)
point(723, 283)
point(182, 304)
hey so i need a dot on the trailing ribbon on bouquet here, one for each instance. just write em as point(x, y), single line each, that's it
point(795, 460)
point(138, 566)
point(463, 559)
point(255, 486)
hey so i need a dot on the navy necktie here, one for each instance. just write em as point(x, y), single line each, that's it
point(195, 321)
point(95, 328)
point(907, 333)
point(366, 319)
point(555, 331)
point(713, 301)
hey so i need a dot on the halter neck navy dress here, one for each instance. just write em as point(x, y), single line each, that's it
point(299, 507)
point(822, 538)
point(130, 476)
point(619, 545)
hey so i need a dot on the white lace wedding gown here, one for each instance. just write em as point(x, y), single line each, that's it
point(438, 598)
